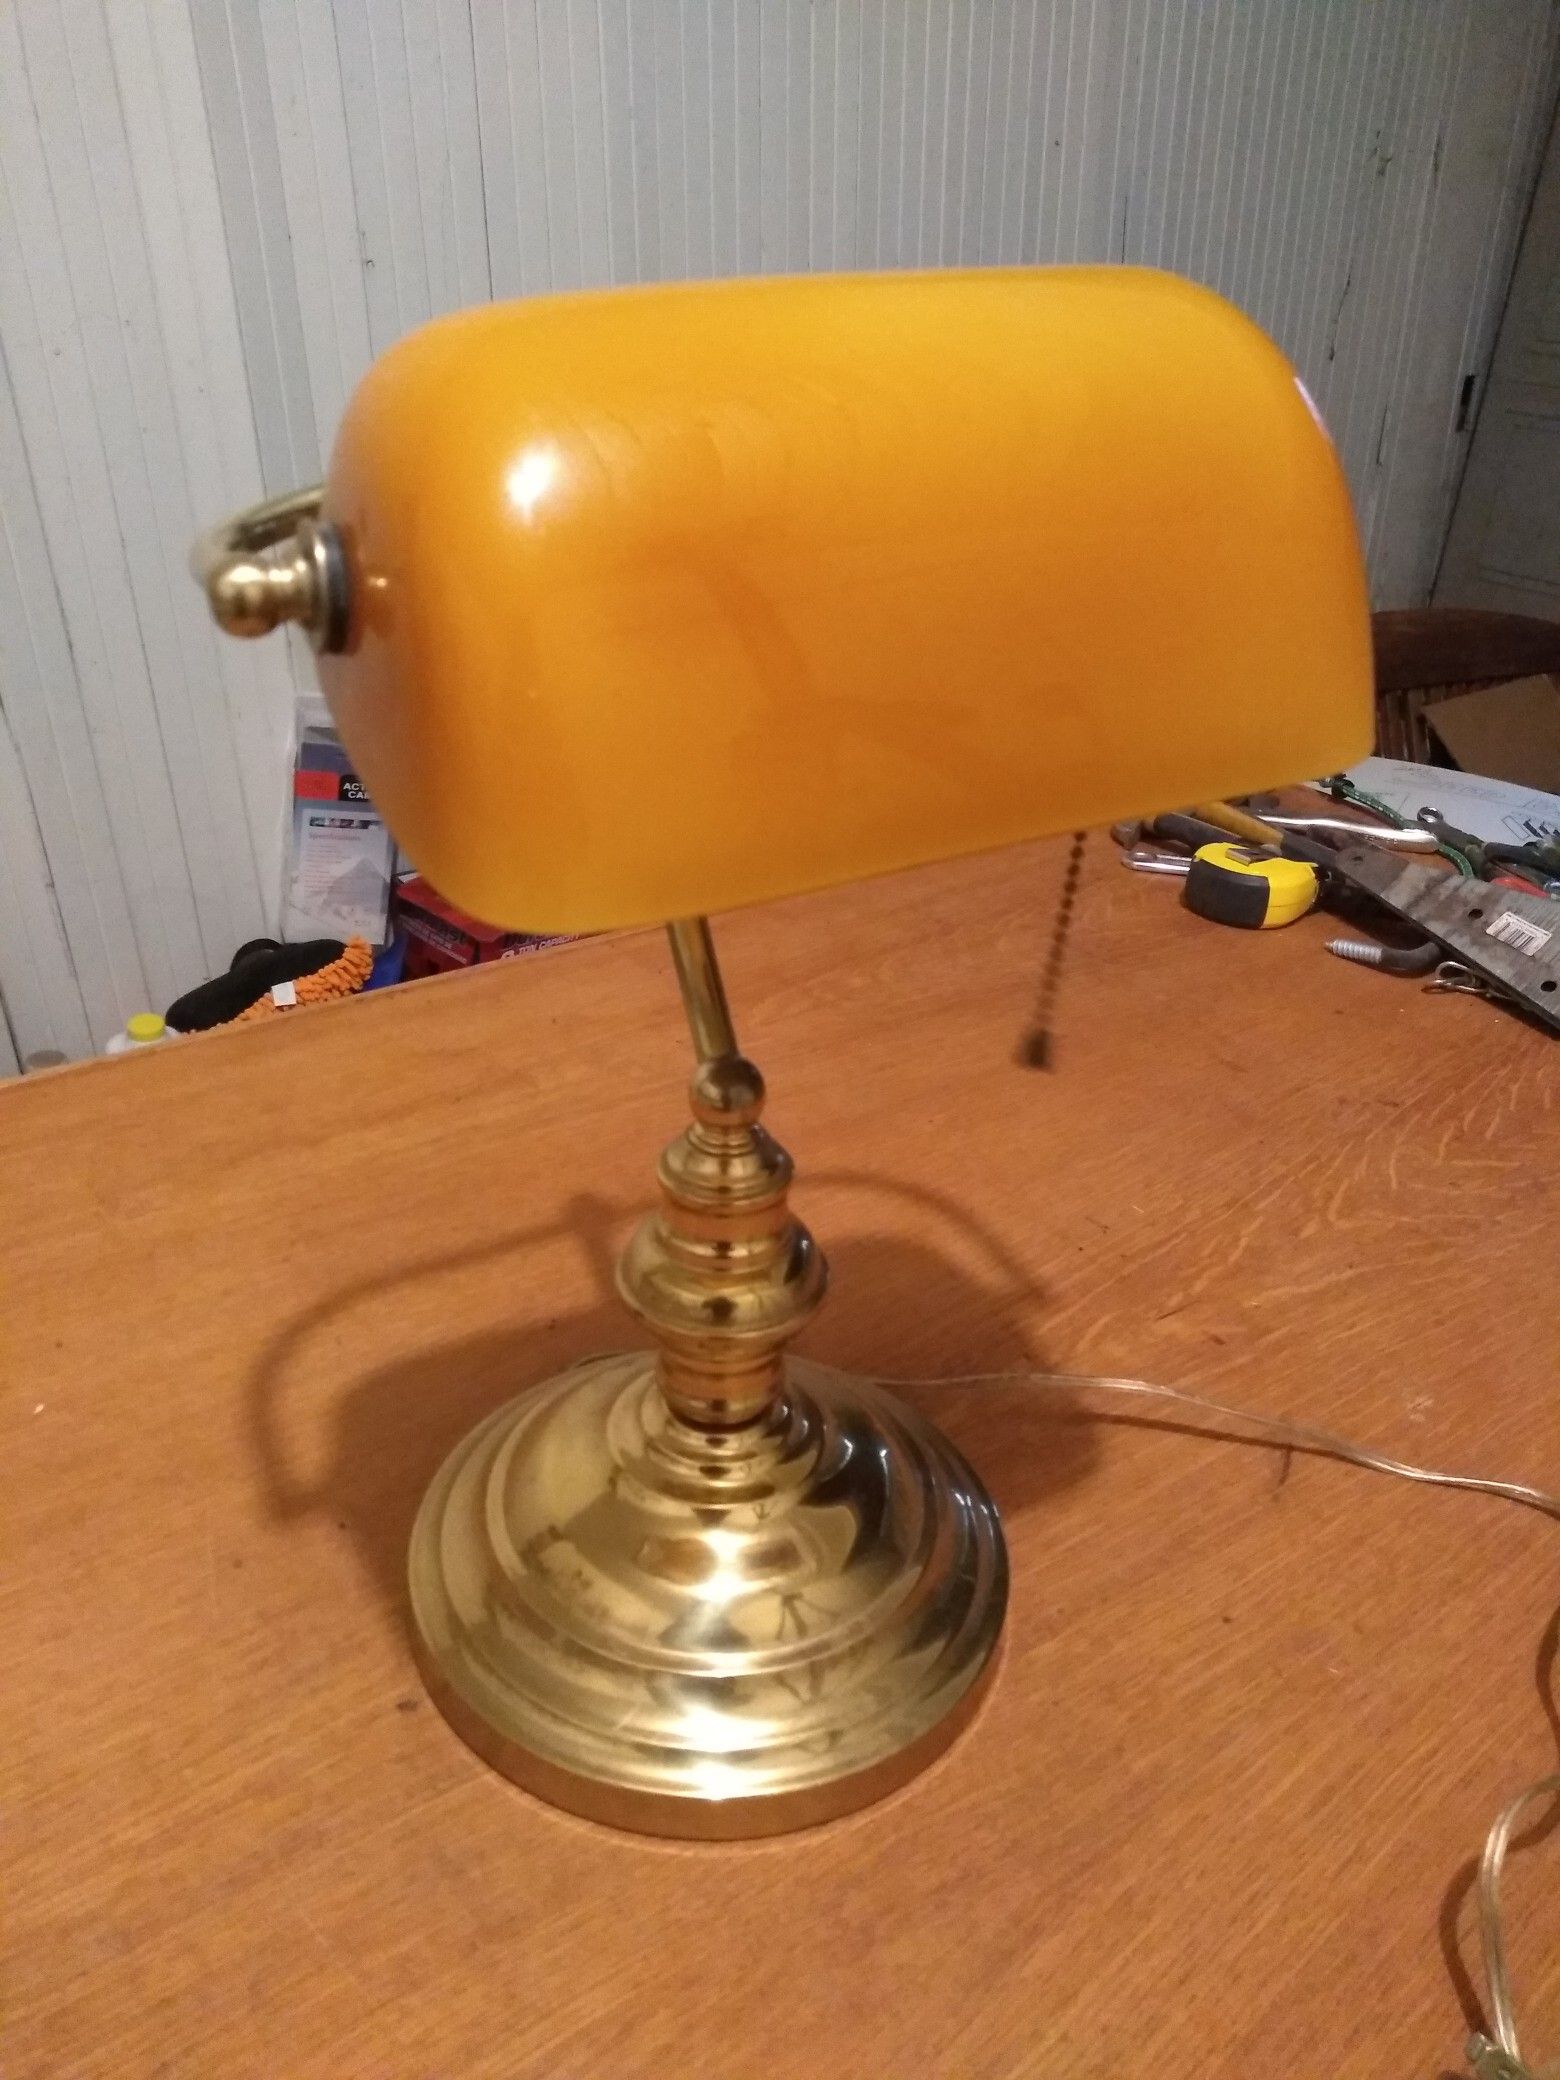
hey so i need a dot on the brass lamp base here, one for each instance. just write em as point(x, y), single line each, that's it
point(695, 1632)
point(712, 1591)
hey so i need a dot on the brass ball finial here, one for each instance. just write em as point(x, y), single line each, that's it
point(275, 563)
point(726, 1092)
point(252, 595)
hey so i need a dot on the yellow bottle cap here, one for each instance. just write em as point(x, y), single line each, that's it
point(146, 1026)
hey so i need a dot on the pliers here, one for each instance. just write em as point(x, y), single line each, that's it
point(1537, 861)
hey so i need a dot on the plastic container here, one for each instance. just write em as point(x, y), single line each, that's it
point(142, 1029)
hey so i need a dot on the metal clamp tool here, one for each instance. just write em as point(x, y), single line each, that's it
point(1508, 943)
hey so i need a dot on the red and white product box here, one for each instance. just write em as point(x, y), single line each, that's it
point(440, 938)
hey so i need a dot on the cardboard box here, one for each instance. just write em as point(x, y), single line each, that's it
point(440, 938)
point(1510, 732)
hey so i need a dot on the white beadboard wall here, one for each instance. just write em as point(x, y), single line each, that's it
point(214, 212)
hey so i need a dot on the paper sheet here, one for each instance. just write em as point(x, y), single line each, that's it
point(1490, 809)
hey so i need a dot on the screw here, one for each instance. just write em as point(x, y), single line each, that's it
point(1391, 960)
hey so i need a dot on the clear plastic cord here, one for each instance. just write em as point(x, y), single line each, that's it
point(1502, 2013)
point(1299, 1437)
point(1501, 2060)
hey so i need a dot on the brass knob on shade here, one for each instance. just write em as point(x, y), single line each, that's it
point(273, 563)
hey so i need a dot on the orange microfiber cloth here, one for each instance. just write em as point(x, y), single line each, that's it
point(339, 978)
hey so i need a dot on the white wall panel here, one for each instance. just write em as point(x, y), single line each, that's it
point(147, 750)
point(52, 785)
point(1503, 548)
point(318, 193)
point(214, 212)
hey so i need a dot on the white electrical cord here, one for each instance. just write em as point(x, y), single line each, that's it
point(1500, 2060)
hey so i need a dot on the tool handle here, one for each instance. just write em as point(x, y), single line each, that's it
point(1239, 823)
point(1295, 845)
point(1183, 828)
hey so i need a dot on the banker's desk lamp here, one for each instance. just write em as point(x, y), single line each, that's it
point(636, 606)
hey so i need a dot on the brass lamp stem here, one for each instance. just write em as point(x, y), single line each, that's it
point(722, 1275)
point(703, 989)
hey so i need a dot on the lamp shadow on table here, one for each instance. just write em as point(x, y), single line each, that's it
point(900, 1308)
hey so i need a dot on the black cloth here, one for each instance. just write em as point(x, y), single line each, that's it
point(257, 967)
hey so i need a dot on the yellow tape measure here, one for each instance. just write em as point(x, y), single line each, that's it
point(1233, 885)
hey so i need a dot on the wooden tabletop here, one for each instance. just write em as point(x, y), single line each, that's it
point(1255, 1712)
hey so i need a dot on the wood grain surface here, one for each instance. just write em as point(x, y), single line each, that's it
point(1255, 1711)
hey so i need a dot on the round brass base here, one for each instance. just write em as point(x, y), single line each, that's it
point(705, 1634)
